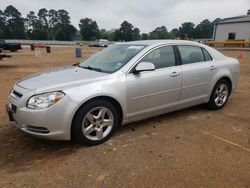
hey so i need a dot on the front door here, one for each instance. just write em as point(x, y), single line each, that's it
point(158, 91)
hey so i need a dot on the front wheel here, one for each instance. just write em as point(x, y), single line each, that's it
point(95, 122)
point(220, 95)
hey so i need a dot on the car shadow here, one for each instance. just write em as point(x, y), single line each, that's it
point(161, 118)
point(7, 66)
point(19, 151)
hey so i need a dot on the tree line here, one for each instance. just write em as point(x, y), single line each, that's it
point(56, 25)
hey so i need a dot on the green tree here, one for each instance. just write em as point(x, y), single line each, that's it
point(113, 35)
point(125, 32)
point(43, 24)
point(2, 25)
point(30, 22)
point(175, 32)
point(35, 28)
point(31, 19)
point(53, 18)
point(144, 36)
point(104, 34)
point(186, 30)
point(63, 30)
point(203, 30)
point(89, 29)
point(14, 23)
point(43, 15)
point(50, 24)
point(160, 33)
point(36, 31)
point(63, 16)
point(136, 34)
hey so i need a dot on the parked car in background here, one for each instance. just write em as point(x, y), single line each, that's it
point(2, 56)
point(100, 43)
point(13, 47)
point(123, 83)
point(103, 42)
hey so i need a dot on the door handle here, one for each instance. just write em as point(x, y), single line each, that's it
point(213, 67)
point(174, 74)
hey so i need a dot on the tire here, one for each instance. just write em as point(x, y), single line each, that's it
point(89, 125)
point(220, 95)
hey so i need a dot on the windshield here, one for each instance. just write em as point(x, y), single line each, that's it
point(112, 58)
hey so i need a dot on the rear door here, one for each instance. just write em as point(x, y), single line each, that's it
point(198, 69)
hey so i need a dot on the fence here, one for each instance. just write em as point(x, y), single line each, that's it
point(46, 42)
point(231, 43)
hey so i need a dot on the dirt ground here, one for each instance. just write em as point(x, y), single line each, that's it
point(195, 147)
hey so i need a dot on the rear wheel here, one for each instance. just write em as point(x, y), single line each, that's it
point(95, 122)
point(220, 95)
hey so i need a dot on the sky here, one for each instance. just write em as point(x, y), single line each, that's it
point(144, 14)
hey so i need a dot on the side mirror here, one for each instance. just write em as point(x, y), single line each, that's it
point(144, 66)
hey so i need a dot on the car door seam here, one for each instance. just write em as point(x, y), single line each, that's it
point(153, 94)
point(195, 85)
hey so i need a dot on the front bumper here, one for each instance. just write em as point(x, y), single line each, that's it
point(9, 112)
point(52, 123)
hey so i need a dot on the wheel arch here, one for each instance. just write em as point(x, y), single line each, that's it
point(229, 81)
point(103, 97)
point(224, 77)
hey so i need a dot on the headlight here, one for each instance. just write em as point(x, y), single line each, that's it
point(44, 100)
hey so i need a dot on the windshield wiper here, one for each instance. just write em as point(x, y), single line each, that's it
point(93, 68)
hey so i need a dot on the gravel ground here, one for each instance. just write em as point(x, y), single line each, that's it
point(195, 147)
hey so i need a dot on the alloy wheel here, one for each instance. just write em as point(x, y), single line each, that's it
point(221, 95)
point(97, 123)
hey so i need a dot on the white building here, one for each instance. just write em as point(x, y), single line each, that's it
point(234, 28)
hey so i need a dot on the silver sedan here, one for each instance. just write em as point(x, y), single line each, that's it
point(123, 83)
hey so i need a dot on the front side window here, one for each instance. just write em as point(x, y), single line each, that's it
point(191, 54)
point(112, 58)
point(161, 57)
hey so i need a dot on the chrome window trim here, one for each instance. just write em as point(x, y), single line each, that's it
point(197, 47)
point(146, 53)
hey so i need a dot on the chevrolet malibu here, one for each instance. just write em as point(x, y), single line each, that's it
point(123, 83)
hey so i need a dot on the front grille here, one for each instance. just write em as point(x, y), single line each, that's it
point(34, 129)
point(16, 94)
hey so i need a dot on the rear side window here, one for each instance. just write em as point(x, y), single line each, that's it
point(207, 55)
point(161, 57)
point(191, 54)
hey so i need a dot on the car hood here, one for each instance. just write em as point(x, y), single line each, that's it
point(60, 78)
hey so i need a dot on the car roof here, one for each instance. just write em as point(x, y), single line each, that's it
point(160, 42)
point(154, 43)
